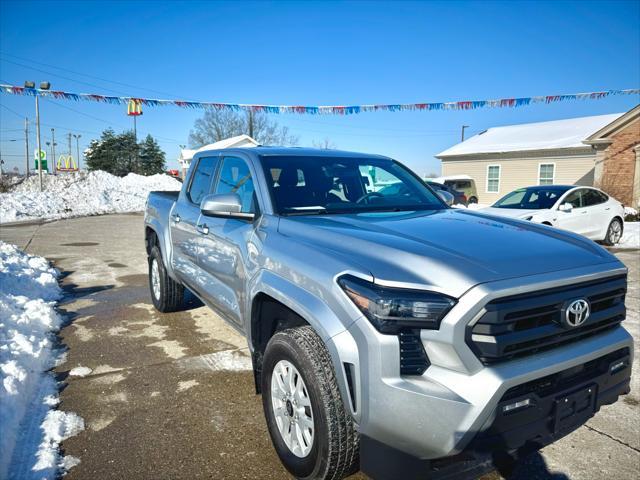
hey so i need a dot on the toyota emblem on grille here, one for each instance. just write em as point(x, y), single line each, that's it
point(576, 313)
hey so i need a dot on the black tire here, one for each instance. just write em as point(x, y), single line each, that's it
point(609, 238)
point(473, 200)
point(335, 450)
point(171, 293)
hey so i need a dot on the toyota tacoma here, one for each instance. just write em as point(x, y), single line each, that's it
point(388, 332)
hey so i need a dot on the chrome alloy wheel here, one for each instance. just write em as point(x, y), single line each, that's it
point(155, 279)
point(615, 232)
point(292, 408)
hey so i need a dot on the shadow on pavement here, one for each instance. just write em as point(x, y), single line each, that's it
point(532, 467)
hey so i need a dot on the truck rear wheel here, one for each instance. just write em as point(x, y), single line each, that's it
point(166, 293)
point(311, 431)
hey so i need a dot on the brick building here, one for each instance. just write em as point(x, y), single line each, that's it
point(617, 167)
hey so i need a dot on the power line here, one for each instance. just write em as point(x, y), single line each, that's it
point(62, 76)
point(12, 111)
point(89, 76)
point(369, 128)
point(106, 121)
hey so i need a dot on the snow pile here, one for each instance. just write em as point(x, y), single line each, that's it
point(80, 194)
point(471, 206)
point(630, 211)
point(30, 432)
point(630, 236)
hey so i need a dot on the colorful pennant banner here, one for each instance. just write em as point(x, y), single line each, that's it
point(319, 110)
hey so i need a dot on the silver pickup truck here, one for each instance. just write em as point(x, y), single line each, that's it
point(389, 332)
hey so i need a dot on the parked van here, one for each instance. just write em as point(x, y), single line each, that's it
point(462, 183)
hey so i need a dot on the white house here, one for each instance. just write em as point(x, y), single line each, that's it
point(240, 141)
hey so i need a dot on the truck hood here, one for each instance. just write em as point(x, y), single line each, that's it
point(511, 212)
point(447, 250)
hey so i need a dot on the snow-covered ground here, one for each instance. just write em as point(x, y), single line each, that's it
point(30, 430)
point(631, 236)
point(80, 194)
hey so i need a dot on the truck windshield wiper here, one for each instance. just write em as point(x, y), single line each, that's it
point(306, 211)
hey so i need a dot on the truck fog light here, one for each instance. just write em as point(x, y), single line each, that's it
point(517, 405)
point(616, 367)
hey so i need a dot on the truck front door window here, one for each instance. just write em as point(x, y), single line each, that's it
point(235, 177)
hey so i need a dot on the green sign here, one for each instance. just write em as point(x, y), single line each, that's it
point(43, 159)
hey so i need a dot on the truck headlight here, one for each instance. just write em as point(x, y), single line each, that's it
point(391, 309)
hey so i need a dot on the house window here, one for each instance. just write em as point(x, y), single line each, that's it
point(493, 178)
point(546, 173)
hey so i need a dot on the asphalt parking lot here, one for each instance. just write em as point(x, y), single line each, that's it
point(171, 396)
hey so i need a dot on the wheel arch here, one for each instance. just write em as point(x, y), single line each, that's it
point(277, 304)
point(155, 234)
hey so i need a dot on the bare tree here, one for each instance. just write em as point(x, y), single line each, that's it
point(325, 144)
point(216, 125)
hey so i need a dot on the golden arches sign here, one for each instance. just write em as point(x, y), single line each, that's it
point(66, 163)
point(134, 107)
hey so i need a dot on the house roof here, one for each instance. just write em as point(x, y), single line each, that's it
point(556, 134)
point(239, 141)
point(602, 135)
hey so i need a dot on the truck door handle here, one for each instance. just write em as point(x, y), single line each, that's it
point(203, 229)
point(176, 218)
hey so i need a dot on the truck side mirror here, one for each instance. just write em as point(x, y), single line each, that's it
point(565, 207)
point(224, 205)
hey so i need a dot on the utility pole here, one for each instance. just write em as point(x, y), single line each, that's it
point(39, 158)
point(53, 149)
point(462, 136)
point(26, 143)
point(69, 138)
point(77, 137)
point(43, 86)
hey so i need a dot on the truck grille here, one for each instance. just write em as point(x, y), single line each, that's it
point(524, 324)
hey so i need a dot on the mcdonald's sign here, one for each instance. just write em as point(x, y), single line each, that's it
point(134, 107)
point(66, 163)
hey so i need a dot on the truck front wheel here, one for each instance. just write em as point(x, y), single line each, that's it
point(166, 293)
point(311, 431)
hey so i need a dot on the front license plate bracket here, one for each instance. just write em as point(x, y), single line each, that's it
point(573, 409)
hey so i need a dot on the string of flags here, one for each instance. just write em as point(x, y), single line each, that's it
point(316, 110)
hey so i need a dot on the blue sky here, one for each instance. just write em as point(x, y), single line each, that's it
point(315, 54)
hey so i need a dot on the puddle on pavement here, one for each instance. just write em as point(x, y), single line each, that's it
point(79, 244)
point(117, 265)
point(138, 279)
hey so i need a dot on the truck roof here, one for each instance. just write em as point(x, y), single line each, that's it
point(265, 151)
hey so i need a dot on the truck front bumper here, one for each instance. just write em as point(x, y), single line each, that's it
point(524, 418)
point(439, 413)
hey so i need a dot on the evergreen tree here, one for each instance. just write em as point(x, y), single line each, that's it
point(120, 154)
point(152, 158)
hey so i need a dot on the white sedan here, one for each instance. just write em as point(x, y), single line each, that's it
point(584, 210)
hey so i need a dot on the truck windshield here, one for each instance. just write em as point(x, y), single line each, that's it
point(329, 185)
point(532, 198)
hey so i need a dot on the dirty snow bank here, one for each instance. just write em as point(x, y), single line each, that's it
point(30, 433)
point(80, 194)
point(630, 236)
